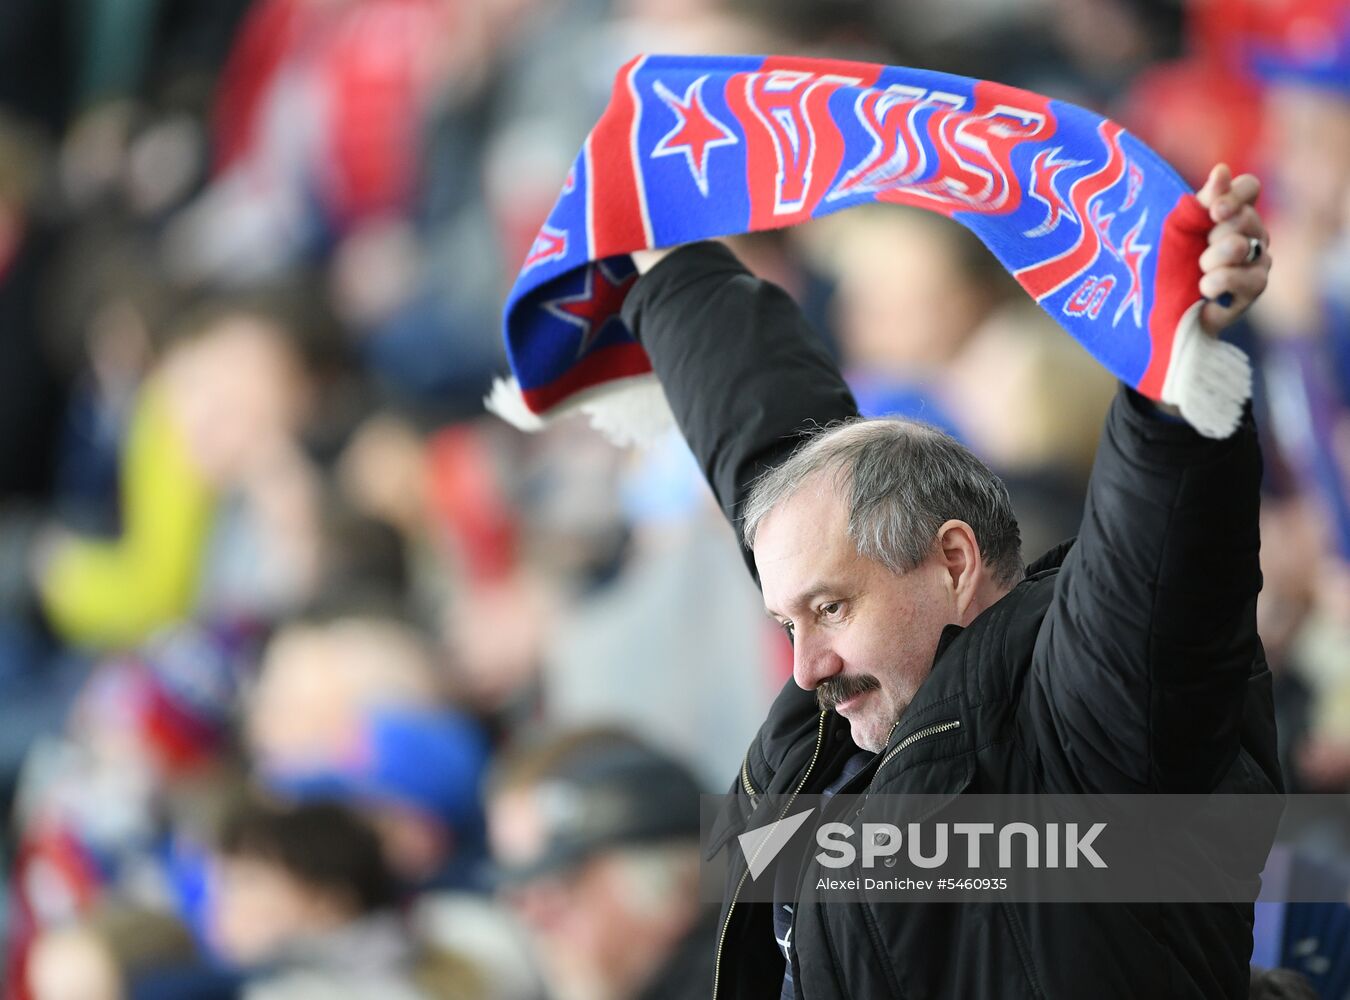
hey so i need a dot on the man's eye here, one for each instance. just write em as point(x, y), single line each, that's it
point(831, 609)
point(788, 628)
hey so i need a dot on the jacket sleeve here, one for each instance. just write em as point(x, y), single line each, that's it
point(1140, 670)
point(743, 372)
point(114, 593)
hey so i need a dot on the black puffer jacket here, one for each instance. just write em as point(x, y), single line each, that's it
point(1125, 662)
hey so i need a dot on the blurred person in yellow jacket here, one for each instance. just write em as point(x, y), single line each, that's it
point(217, 413)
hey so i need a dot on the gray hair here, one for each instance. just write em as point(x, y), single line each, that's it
point(903, 479)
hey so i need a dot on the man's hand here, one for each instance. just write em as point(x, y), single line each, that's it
point(1234, 268)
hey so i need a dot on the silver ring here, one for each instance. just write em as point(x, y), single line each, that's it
point(1254, 250)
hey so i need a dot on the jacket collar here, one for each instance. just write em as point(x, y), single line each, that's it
point(1052, 559)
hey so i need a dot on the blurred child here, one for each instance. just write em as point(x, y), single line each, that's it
point(304, 902)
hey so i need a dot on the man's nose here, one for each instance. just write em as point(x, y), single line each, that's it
point(813, 661)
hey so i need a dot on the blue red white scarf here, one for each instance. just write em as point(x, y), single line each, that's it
point(1090, 221)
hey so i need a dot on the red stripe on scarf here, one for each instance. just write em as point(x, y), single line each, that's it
point(603, 365)
point(1176, 287)
point(617, 215)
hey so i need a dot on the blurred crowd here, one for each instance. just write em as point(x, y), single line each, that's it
point(315, 681)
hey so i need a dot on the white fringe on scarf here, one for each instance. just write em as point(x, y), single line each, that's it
point(1208, 380)
point(629, 411)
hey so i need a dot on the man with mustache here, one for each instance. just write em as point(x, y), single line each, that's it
point(928, 659)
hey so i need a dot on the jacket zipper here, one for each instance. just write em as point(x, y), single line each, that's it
point(745, 780)
point(722, 938)
point(910, 740)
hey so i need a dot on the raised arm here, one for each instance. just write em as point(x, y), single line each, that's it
point(1143, 668)
point(743, 372)
point(1143, 664)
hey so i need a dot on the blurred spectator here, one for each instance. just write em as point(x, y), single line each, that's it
point(304, 900)
point(316, 123)
point(219, 412)
point(415, 775)
point(319, 678)
point(677, 621)
point(1032, 401)
point(596, 839)
point(353, 709)
point(911, 290)
point(1032, 404)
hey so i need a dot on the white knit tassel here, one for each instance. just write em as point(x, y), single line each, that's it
point(630, 411)
point(633, 411)
point(1207, 379)
point(507, 401)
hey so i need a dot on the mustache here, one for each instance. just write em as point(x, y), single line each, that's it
point(843, 687)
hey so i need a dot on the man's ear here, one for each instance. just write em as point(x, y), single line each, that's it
point(962, 562)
